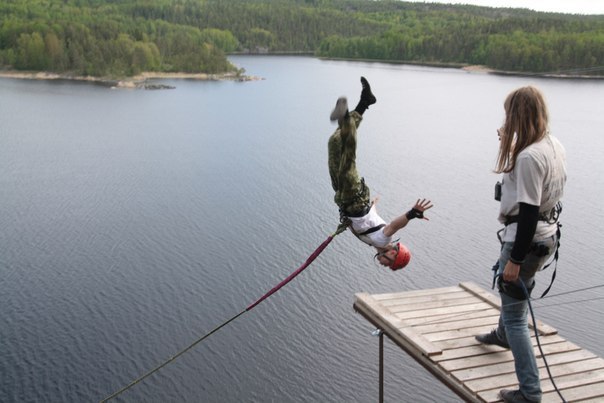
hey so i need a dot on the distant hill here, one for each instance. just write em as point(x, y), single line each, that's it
point(126, 37)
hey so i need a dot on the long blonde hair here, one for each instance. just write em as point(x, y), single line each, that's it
point(526, 122)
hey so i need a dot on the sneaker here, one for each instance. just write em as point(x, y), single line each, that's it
point(515, 396)
point(366, 95)
point(492, 338)
point(340, 111)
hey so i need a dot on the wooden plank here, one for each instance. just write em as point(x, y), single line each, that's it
point(499, 356)
point(467, 374)
point(462, 342)
point(468, 341)
point(594, 400)
point(456, 317)
point(577, 368)
point(443, 290)
point(477, 307)
point(571, 380)
point(484, 295)
point(406, 306)
point(452, 334)
point(468, 323)
point(480, 349)
point(407, 300)
point(590, 391)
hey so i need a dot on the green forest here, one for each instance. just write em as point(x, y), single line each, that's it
point(125, 37)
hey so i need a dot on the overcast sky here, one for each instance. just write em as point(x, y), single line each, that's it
point(558, 6)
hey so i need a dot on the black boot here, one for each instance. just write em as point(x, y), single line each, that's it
point(367, 97)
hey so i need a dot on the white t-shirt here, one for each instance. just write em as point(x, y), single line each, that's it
point(368, 221)
point(537, 179)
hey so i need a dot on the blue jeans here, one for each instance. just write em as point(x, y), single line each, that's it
point(513, 321)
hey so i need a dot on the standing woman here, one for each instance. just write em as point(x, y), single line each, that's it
point(533, 164)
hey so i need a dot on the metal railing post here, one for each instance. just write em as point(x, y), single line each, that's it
point(380, 334)
point(381, 367)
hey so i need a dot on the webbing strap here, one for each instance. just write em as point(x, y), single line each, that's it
point(372, 229)
point(550, 217)
point(556, 254)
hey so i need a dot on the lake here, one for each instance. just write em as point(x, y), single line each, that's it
point(133, 222)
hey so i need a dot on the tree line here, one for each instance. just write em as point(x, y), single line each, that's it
point(125, 37)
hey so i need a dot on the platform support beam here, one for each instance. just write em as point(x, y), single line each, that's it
point(381, 335)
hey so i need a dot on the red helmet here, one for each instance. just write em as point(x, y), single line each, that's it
point(403, 256)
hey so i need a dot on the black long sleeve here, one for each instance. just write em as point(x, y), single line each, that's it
point(527, 224)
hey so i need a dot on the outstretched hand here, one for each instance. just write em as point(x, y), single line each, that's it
point(421, 206)
point(417, 211)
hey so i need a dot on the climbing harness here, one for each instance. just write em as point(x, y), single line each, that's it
point(539, 250)
point(551, 217)
point(341, 228)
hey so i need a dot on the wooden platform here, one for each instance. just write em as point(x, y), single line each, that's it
point(437, 328)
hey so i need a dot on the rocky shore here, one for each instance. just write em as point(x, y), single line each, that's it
point(147, 80)
point(152, 80)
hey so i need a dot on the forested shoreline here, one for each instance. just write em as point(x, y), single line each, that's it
point(122, 38)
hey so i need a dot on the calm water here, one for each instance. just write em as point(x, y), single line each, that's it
point(133, 222)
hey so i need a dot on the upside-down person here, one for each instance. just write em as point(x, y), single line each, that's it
point(352, 194)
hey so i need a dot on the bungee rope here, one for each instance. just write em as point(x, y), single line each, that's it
point(341, 228)
point(549, 373)
point(169, 360)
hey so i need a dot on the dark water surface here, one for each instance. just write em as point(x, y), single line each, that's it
point(133, 222)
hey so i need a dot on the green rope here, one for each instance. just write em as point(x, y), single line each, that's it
point(137, 380)
point(341, 228)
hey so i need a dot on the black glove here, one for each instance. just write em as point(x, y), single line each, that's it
point(414, 213)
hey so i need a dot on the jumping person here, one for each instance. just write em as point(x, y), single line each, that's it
point(352, 194)
point(533, 164)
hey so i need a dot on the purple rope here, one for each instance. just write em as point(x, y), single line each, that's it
point(289, 278)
